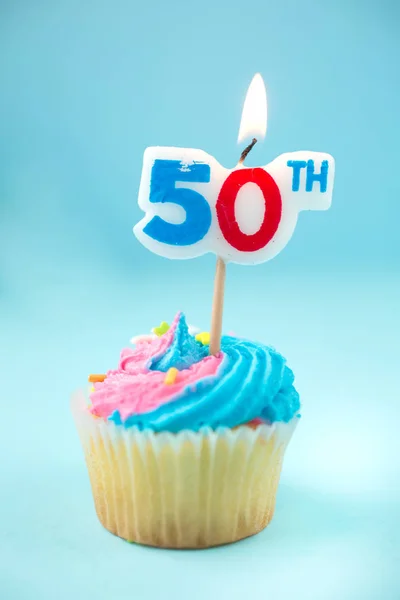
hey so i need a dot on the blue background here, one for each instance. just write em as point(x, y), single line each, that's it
point(85, 87)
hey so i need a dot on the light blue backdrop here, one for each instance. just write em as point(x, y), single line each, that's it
point(85, 87)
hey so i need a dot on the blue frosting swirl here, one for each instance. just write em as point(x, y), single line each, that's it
point(252, 381)
point(182, 353)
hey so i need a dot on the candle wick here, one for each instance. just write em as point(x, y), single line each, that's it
point(246, 151)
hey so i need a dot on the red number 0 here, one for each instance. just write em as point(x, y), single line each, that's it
point(226, 209)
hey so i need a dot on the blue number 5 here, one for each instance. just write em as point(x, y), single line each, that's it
point(164, 175)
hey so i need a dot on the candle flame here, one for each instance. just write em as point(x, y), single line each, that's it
point(254, 114)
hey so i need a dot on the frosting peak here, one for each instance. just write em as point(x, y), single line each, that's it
point(183, 352)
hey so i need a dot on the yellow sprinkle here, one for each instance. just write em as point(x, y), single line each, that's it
point(161, 329)
point(203, 337)
point(171, 376)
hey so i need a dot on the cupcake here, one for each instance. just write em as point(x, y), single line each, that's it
point(185, 449)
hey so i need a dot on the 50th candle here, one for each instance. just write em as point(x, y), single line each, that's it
point(194, 205)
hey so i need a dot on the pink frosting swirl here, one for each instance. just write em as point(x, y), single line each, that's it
point(134, 388)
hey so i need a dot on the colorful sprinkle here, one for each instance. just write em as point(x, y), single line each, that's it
point(96, 378)
point(203, 337)
point(161, 329)
point(171, 376)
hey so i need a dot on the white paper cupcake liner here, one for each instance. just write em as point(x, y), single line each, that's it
point(184, 490)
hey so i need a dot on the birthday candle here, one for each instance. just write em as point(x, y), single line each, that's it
point(194, 205)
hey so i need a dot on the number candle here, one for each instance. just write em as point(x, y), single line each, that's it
point(194, 205)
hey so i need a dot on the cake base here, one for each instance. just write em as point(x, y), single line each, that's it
point(185, 490)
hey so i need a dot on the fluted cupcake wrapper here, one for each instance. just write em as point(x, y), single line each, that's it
point(184, 490)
